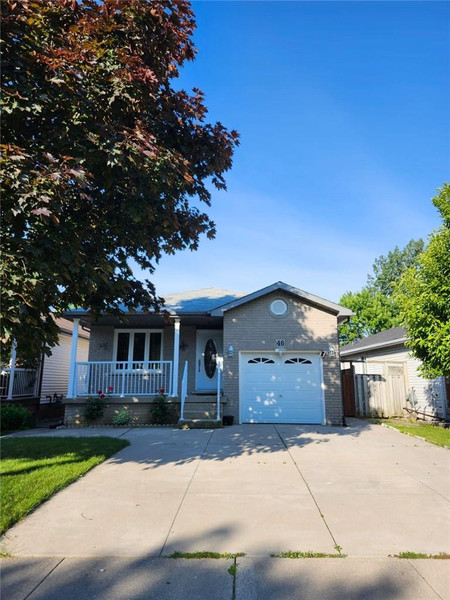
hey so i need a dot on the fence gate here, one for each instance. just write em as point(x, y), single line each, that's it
point(348, 392)
point(381, 392)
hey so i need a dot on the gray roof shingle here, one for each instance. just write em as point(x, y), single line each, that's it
point(387, 337)
point(199, 301)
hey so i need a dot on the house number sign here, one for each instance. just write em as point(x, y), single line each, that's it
point(280, 343)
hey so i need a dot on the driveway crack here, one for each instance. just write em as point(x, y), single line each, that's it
point(185, 492)
point(411, 562)
point(309, 490)
point(43, 579)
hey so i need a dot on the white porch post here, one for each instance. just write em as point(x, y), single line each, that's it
point(73, 359)
point(176, 356)
point(12, 370)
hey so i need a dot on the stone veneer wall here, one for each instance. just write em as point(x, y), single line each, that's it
point(253, 327)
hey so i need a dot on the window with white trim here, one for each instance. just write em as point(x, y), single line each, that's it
point(137, 346)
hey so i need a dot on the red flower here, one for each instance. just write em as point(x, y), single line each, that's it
point(99, 392)
point(161, 391)
point(110, 389)
point(102, 395)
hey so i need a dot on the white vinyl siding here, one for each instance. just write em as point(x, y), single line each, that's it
point(55, 373)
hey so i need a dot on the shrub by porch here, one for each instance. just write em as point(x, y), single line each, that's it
point(139, 410)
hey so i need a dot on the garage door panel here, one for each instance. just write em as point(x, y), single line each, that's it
point(276, 391)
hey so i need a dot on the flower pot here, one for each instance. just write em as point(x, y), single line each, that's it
point(227, 420)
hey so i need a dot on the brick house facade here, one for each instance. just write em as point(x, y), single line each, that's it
point(276, 349)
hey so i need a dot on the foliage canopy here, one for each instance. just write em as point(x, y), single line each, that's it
point(423, 296)
point(103, 160)
point(375, 306)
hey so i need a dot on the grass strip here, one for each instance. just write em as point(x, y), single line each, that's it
point(33, 469)
point(414, 555)
point(430, 433)
point(308, 554)
point(205, 554)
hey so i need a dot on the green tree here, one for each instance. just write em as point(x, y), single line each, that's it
point(103, 160)
point(387, 270)
point(374, 312)
point(375, 306)
point(424, 297)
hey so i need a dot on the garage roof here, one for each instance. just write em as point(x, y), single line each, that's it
point(389, 337)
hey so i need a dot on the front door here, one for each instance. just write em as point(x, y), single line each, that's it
point(209, 346)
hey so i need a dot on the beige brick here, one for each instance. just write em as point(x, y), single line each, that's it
point(304, 327)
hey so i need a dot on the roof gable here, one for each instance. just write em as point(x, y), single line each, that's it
point(340, 311)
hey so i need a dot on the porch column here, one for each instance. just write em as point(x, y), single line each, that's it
point(73, 359)
point(176, 356)
point(12, 370)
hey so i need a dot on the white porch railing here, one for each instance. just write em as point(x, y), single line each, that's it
point(219, 384)
point(25, 382)
point(183, 390)
point(123, 378)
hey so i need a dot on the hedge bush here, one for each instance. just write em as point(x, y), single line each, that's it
point(13, 417)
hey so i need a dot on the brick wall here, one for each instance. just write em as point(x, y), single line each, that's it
point(101, 343)
point(139, 411)
point(253, 327)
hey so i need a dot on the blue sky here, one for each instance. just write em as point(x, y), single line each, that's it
point(343, 111)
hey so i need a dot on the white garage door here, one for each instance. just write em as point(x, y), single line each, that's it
point(281, 389)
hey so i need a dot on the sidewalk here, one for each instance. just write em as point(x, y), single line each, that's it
point(262, 578)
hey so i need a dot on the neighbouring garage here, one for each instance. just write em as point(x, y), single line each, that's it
point(281, 388)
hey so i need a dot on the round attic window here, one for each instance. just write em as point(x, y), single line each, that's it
point(278, 307)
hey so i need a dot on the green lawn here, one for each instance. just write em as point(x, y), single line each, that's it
point(435, 435)
point(34, 468)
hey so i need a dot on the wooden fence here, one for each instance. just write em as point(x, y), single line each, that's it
point(380, 392)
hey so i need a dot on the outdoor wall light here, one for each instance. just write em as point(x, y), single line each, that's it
point(331, 351)
point(230, 351)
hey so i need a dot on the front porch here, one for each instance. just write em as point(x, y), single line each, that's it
point(129, 384)
point(182, 363)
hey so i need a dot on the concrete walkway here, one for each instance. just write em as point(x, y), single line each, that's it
point(367, 490)
point(249, 579)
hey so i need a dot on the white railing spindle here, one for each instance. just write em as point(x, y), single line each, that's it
point(219, 384)
point(124, 378)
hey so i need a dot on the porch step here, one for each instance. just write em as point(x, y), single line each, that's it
point(200, 414)
point(203, 398)
point(199, 424)
point(202, 407)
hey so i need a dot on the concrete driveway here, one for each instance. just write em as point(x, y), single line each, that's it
point(258, 489)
